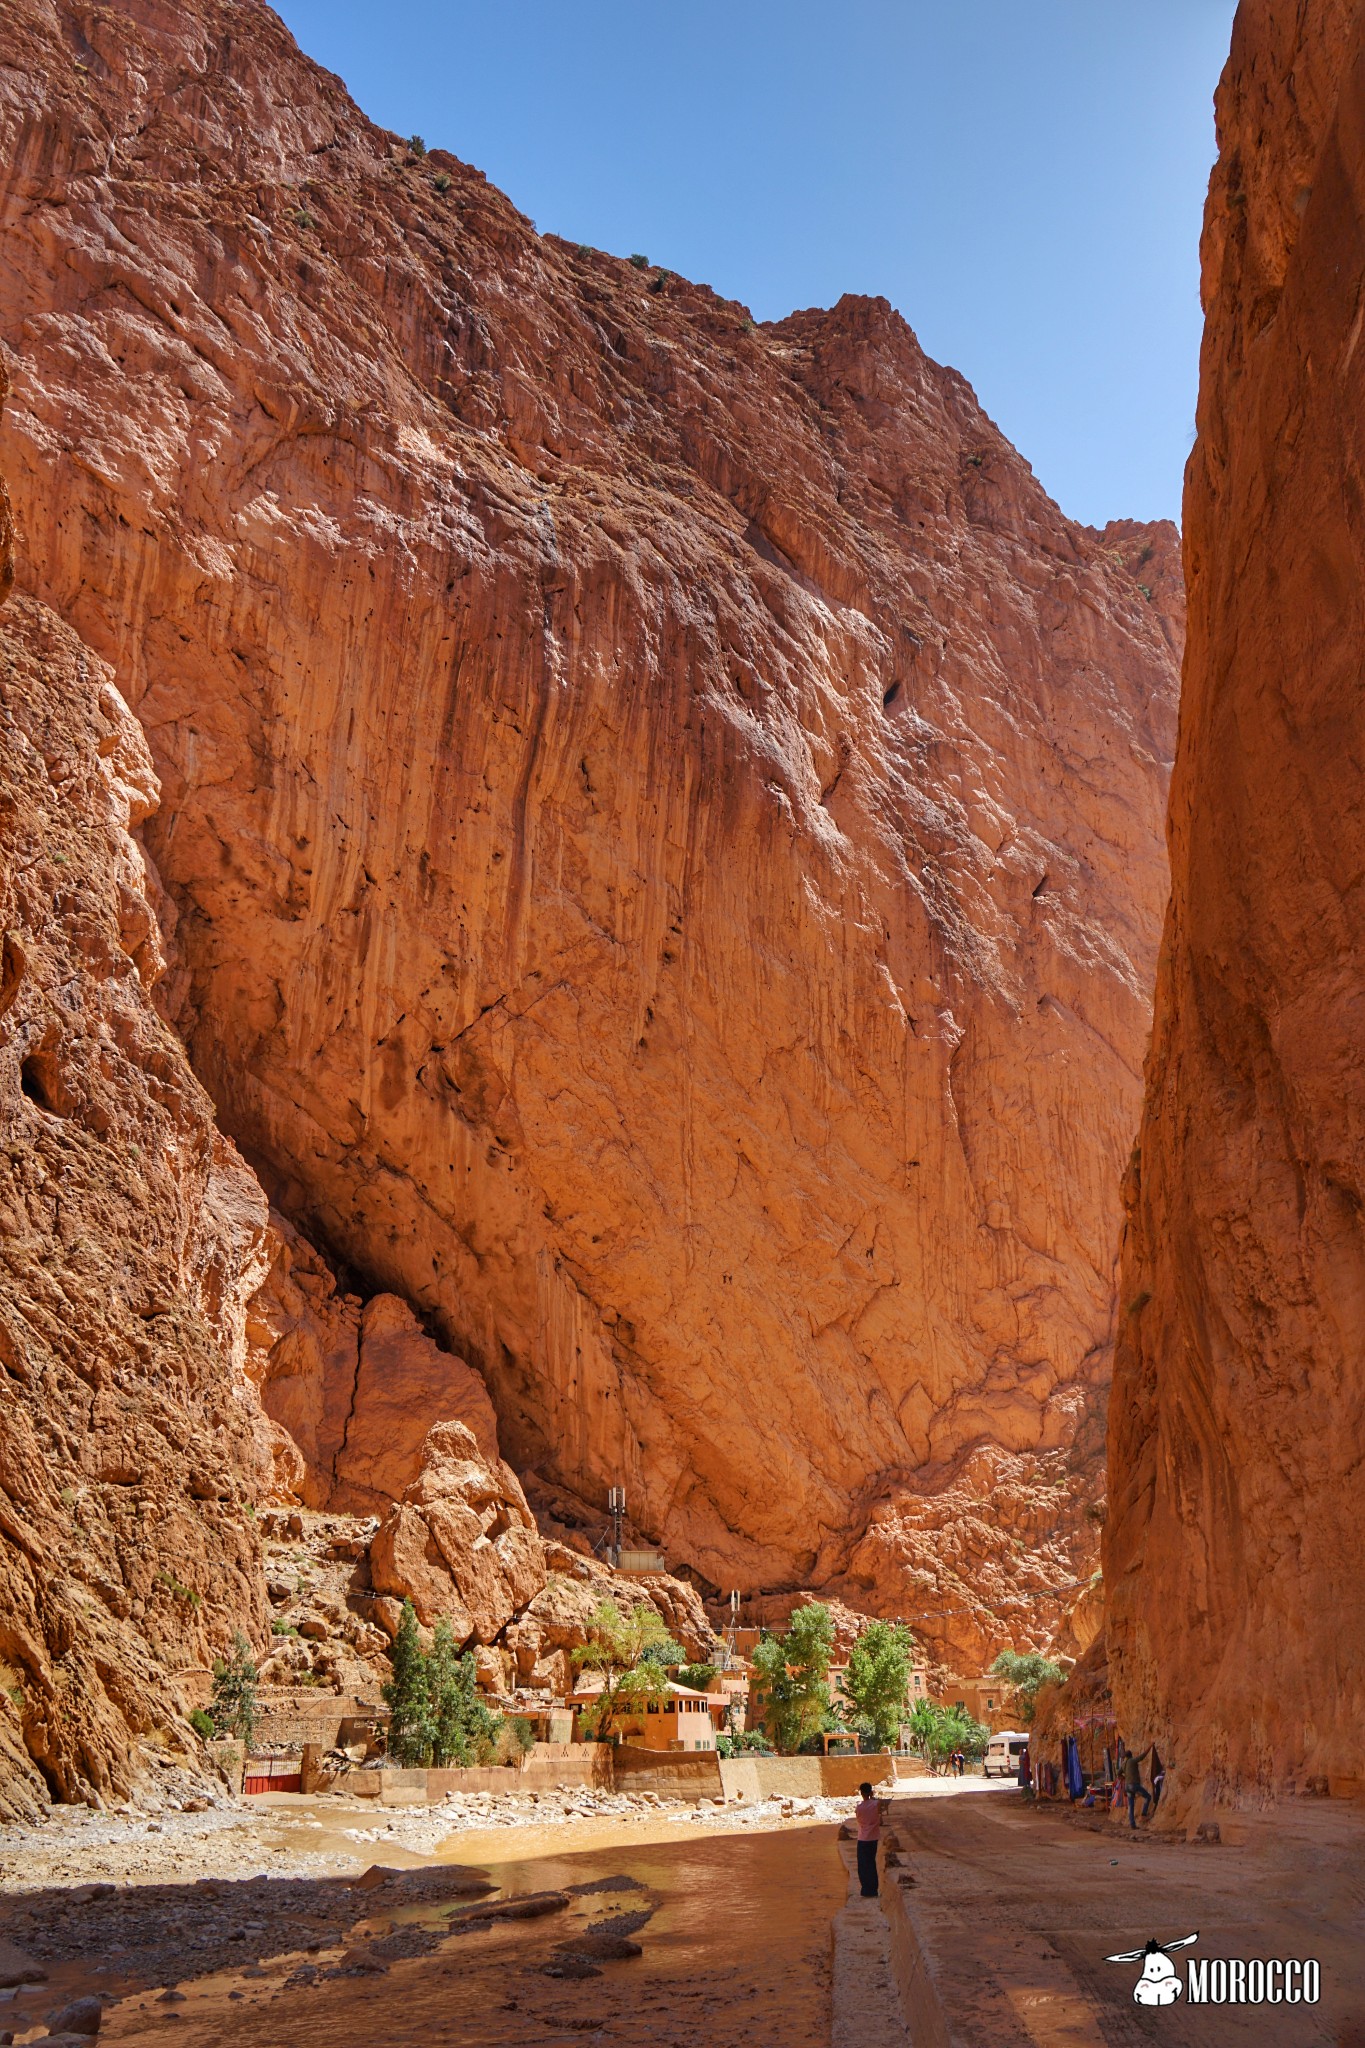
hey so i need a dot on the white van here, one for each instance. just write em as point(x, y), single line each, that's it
point(1003, 1752)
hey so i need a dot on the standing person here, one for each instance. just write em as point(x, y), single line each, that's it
point(1025, 1769)
point(1133, 1786)
point(869, 1817)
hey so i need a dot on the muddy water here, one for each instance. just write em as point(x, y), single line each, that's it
point(736, 1951)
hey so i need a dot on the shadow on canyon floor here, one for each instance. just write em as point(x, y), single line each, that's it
point(660, 1944)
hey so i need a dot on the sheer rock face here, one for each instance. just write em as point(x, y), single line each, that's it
point(664, 814)
point(131, 1235)
point(1237, 1609)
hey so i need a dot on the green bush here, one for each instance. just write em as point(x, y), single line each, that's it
point(516, 1737)
point(442, 181)
point(416, 146)
point(232, 1707)
point(640, 262)
point(752, 1740)
point(936, 1731)
point(670, 1656)
point(202, 1723)
point(1026, 1675)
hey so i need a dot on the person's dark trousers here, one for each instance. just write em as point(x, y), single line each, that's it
point(1133, 1798)
point(867, 1869)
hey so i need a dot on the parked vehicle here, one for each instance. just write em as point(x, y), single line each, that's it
point(1003, 1752)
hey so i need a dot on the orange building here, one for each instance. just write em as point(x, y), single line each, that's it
point(985, 1699)
point(677, 1718)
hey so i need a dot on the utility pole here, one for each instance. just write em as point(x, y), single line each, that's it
point(730, 1651)
point(616, 1504)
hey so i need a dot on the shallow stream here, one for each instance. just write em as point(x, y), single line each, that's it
point(734, 1932)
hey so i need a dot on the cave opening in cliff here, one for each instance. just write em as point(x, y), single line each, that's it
point(40, 1081)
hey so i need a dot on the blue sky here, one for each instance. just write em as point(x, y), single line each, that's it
point(1024, 181)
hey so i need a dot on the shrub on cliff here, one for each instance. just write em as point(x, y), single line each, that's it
point(1026, 1675)
point(877, 1681)
point(233, 1702)
point(793, 1672)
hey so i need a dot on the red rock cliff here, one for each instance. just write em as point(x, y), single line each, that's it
point(1237, 1612)
point(664, 813)
point(131, 1235)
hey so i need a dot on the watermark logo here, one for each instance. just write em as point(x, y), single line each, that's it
point(1159, 1984)
point(1222, 1980)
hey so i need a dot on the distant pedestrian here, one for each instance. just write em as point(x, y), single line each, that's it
point(1133, 1787)
point(959, 1763)
point(1025, 1769)
point(869, 1818)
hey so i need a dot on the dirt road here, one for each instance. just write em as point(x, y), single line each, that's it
point(1013, 1909)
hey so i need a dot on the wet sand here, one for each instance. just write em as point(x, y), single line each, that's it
point(734, 1932)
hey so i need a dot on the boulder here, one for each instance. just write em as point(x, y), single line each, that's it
point(462, 1543)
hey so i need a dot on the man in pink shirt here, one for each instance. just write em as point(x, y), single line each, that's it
point(869, 1818)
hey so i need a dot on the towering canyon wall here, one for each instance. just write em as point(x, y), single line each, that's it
point(662, 814)
point(1232, 1552)
point(131, 1235)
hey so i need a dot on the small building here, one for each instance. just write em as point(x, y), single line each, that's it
point(676, 1718)
point(640, 1562)
point(985, 1699)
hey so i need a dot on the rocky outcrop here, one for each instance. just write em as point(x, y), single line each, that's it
point(462, 1543)
point(663, 811)
point(131, 1235)
point(352, 1387)
point(1236, 1609)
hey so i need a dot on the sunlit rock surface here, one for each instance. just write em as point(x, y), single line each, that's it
point(664, 814)
point(131, 1235)
point(1232, 1556)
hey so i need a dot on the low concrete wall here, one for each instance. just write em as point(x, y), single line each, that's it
point(550, 1767)
point(810, 1777)
point(672, 1773)
point(739, 1777)
point(912, 1971)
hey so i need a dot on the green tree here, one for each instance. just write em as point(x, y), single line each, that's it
point(1026, 1674)
point(665, 1652)
point(463, 1730)
point(793, 1672)
point(408, 1695)
point(697, 1676)
point(620, 1647)
point(515, 1737)
point(233, 1703)
point(936, 1731)
point(878, 1679)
